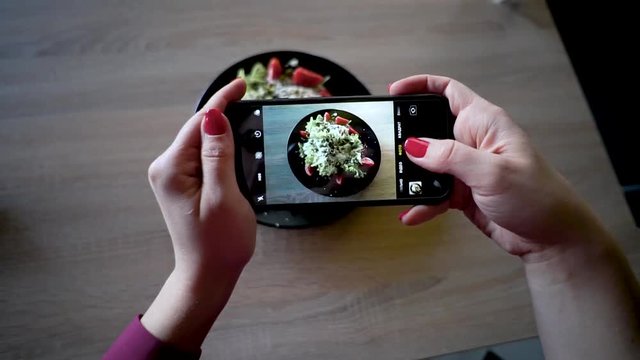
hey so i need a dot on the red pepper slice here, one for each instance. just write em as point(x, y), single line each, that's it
point(304, 134)
point(309, 170)
point(274, 69)
point(352, 130)
point(341, 121)
point(306, 77)
point(327, 116)
point(367, 161)
point(324, 92)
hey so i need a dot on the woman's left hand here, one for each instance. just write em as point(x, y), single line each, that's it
point(212, 226)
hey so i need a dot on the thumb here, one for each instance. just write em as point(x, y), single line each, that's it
point(218, 170)
point(470, 165)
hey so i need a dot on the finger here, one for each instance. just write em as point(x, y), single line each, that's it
point(422, 213)
point(460, 199)
point(189, 135)
point(458, 94)
point(233, 91)
point(451, 157)
point(460, 195)
point(217, 155)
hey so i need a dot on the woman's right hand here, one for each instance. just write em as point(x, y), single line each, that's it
point(501, 182)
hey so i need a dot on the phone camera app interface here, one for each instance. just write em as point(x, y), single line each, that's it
point(338, 152)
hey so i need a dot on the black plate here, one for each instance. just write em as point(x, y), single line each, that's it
point(325, 185)
point(341, 83)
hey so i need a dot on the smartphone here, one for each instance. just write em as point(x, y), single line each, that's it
point(338, 150)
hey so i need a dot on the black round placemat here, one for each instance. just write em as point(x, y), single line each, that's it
point(341, 83)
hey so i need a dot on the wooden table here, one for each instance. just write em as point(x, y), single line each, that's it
point(92, 91)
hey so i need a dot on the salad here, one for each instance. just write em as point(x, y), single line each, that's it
point(276, 82)
point(332, 148)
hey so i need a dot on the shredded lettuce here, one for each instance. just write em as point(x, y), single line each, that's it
point(330, 149)
point(259, 88)
point(257, 85)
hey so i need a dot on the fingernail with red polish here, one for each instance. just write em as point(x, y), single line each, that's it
point(214, 123)
point(416, 147)
point(402, 214)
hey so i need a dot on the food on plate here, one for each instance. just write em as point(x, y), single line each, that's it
point(330, 147)
point(307, 78)
point(278, 82)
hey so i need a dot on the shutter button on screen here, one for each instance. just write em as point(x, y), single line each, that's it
point(413, 110)
point(415, 187)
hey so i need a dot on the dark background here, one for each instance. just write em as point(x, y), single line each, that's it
point(601, 42)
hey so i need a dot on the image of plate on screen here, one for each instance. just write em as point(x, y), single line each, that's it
point(333, 153)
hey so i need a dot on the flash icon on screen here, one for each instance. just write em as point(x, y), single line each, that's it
point(257, 112)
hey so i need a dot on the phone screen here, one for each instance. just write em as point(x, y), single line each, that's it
point(348, 151)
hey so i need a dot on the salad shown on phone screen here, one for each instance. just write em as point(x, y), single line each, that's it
point(334, 152)
point(332, 147)
point(278, 82)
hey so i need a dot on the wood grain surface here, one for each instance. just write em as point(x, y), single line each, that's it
point(91, 91)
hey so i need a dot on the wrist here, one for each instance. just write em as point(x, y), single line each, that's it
point(202, 272)
point(572, 259)
point(582, 290)
point(206, 285)
point(185, 309)
point(570, 226)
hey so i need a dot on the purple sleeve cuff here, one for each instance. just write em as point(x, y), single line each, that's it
point(136, 343)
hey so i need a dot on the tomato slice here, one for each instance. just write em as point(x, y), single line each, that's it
point(274, 69)
point(367, 161)
point(341, 121)
point(327, 116)
point(352, 130)
point(306, 77)
point(309, 170)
